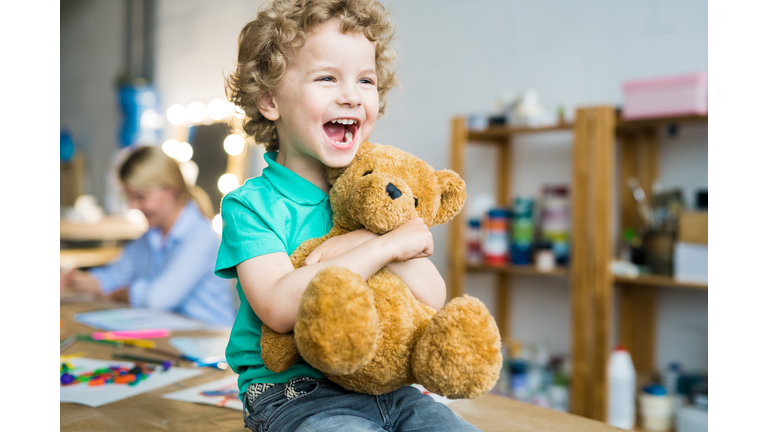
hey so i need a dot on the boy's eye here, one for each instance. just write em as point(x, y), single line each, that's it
point(366, 81)
point(367, 172)
point(326, 79)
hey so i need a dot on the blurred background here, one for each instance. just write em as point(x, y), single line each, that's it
point(525, 78)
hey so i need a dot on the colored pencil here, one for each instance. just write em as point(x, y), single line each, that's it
point(131, 334)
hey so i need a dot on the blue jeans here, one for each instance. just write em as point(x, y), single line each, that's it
point(308, 404)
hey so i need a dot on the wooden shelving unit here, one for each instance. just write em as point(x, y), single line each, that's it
point(517, 270)
point(503, 138)
point(596, 133)
point(656, 280)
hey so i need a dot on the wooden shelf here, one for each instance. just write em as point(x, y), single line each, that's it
point(497, 133)
point(625, 125)
point(517, 270)
point(657, 280)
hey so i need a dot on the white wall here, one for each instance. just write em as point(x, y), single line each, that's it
point(459, 57)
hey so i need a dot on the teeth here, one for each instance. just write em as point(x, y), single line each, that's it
point(344, 121)
point(348, 137)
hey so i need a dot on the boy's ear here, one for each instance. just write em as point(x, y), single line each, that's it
point(267, 106)
point(452, 197)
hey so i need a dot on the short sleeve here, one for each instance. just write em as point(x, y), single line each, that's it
point(245, 235)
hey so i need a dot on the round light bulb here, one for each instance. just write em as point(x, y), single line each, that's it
point(234, 144)
point(228, 182)
point(184, 152)
point(171, 148)
point(149, 119)
point(217, 109)
point(176, 114)
point(196, 112)
point(217, 224)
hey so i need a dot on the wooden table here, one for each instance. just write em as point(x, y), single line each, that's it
point(110, 228)
point(149, 412)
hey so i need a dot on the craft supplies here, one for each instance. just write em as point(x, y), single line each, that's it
point(67, 342)
point(107, 392)
point(166, 364)
point(133, 334)
point(108, 375)
point(656, 408)
point(621, 389)
point(545, 260)
point(223, 392)
point(677, 95)
point(474, 253)
point(495, 246)
point(521, 235)
point(555, 221)
point(137, 319)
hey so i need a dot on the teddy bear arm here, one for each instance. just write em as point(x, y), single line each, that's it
point(278, 350)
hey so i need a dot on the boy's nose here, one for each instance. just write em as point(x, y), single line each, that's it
point(350, 96)
point(393, 191)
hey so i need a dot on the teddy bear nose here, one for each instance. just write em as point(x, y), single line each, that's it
point(393, 191)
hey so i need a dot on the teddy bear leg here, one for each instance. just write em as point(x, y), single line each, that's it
point(337, 323)
point(459, 353)
point(278, 350)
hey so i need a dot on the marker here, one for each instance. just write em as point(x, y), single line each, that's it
point(130, 334)
point(66, 343)
point(165, 363)
point(139, 343)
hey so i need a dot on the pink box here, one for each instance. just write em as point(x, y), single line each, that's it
point(665, 97)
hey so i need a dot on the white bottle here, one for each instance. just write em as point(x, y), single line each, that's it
point(621, 389)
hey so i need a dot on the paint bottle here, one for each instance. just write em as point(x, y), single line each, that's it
point(474, 254)
point(621, 389)
point(496, 246)
point(521, 234)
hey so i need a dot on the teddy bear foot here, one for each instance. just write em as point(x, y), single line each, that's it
point(337, 324)
point(459, 353)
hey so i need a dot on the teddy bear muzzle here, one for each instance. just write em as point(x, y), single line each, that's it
point(384, 202)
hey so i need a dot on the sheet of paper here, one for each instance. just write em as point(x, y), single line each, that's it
point(204, 347)
point(137, 319)
point(437, 397)
point(96, 396)
point(222, 392)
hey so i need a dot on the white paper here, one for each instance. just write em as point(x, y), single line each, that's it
point(203, 347)
point(436, 397)
point(137, 319)
point(224, 393)
point(97, 396)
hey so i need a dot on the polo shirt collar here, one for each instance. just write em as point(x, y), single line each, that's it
point(293, 186)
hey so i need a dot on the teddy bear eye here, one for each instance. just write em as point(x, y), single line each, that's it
point(367, 172)
point(416, 202)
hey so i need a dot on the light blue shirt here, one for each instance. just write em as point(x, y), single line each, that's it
point(175, 273)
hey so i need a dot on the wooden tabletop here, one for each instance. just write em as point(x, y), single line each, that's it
point(109, 228)
point(149, 412)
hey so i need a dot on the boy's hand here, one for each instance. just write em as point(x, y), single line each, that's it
point(336, 246)
point(410, 240)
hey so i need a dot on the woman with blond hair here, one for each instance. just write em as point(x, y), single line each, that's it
point(170, 267)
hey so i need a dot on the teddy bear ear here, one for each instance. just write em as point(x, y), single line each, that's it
point(333, 174)
point(454, 193)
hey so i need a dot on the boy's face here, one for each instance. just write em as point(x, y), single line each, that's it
point(327, 103)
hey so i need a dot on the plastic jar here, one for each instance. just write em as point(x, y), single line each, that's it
point(495, 246)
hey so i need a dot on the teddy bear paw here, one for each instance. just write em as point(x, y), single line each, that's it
point(337, 323)
point(459, 353)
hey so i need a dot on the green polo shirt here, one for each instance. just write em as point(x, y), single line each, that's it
point(275, 212)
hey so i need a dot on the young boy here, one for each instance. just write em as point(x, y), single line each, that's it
point(312, 77)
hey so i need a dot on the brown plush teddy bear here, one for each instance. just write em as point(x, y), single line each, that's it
point(374, 336)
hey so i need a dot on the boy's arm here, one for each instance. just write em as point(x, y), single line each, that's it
point(419, 275)
point(423, 279)
point(273, 288)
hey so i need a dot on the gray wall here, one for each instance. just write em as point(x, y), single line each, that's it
point(92, 55)
point(458, 57)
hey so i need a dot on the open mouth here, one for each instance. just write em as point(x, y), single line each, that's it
point(341, 131)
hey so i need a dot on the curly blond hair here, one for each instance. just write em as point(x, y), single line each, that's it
point(281, 27)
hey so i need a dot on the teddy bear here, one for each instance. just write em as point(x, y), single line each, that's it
point(374, 336)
